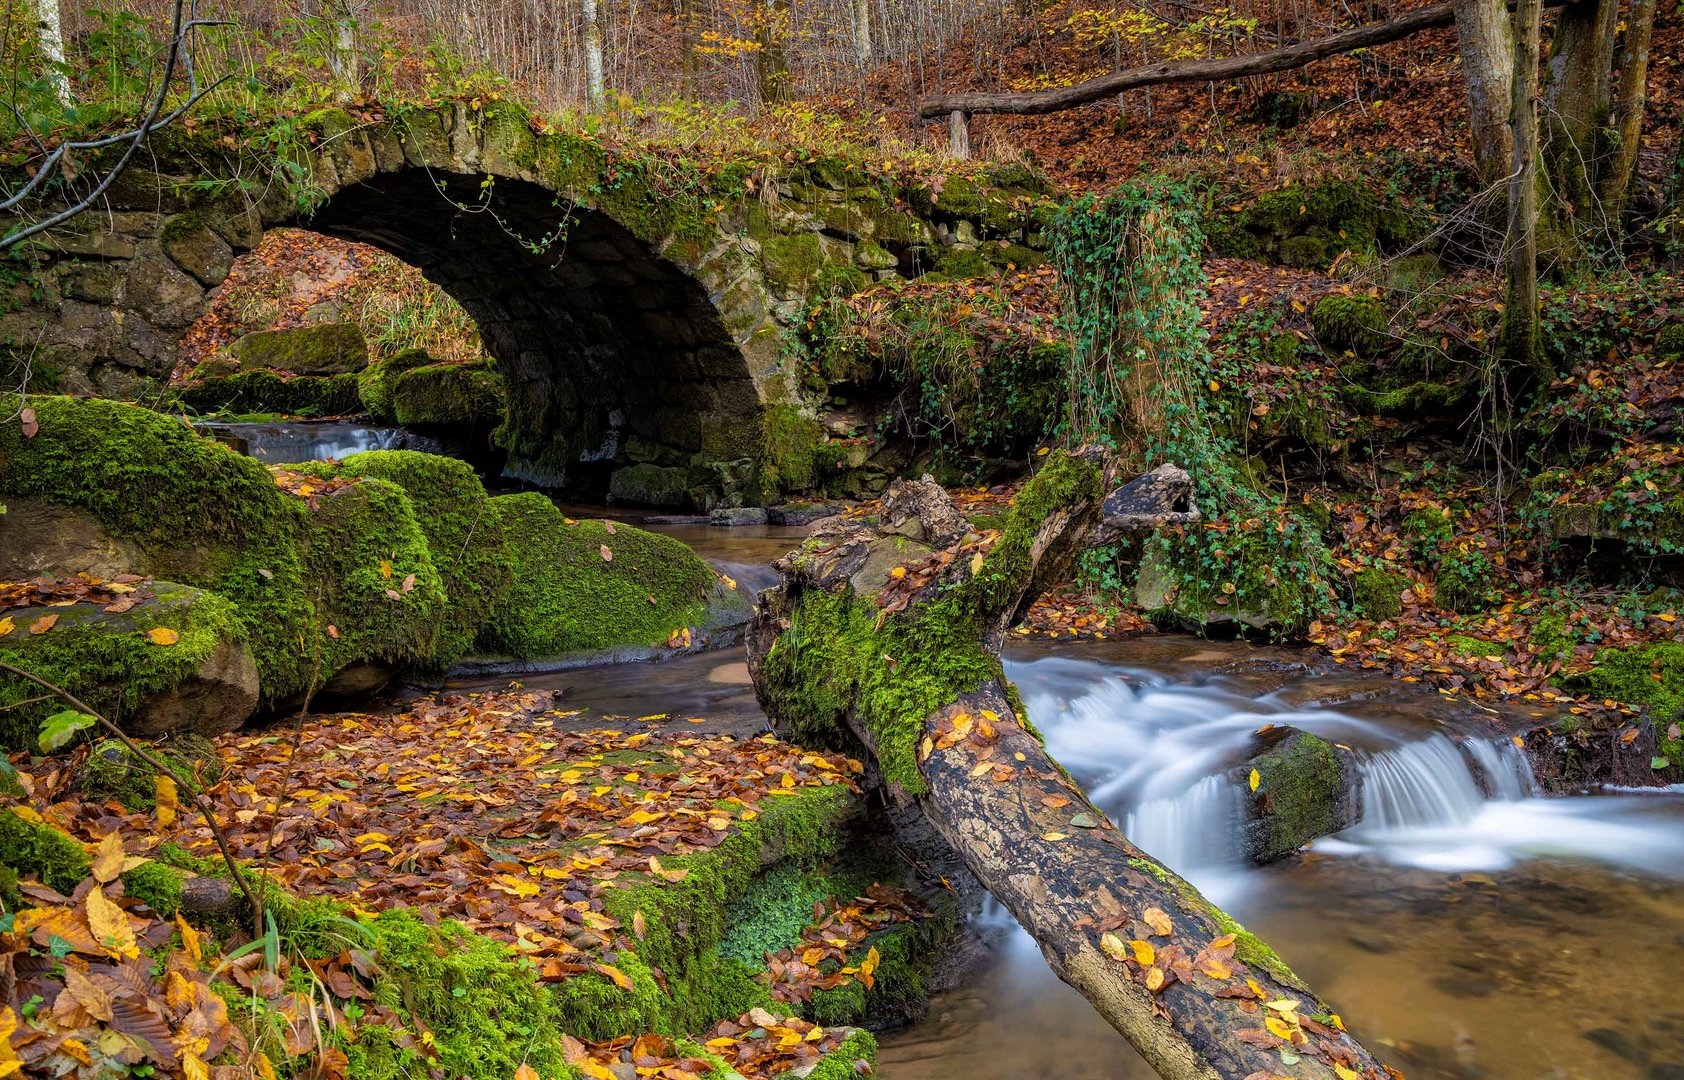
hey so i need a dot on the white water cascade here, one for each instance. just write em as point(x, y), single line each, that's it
point(1153, 752)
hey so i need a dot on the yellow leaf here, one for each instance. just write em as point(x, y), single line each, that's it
point(526, 1072)
point(167, 804)
point(1158, 921)
point(976, 565)
point(1215, 386)
point(189, 939)
point(1154, 979)
point(980, 768)
point(110, 926)
point(898, 572)
point(639, 926)
point(163, 635)
point(1113, 946)
point(193, 1067)
point(108, 860)
point(1279, 1028)
point(1143, 952)
point(615, 975)
point(1054, 837)
point(1345, 1074)
point(1256, 778)
point(386, 569)
point(6, 626)
point(264, 1068)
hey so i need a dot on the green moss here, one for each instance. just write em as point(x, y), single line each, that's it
point(36, 849)
point(484, 1006)
point(1427, 529)
point(566, 599)
point(267, 392)
point(1669, 343)
point(1473, 647)
point(1356, 323)
point(790, 262)
point(842, 1063)
point(107, 660)
point(1651, 676)
point(1378, 594)
point(376, 383)
point(363, 545)
point(686, 920)
point(113, 772)
point(648, 484)
point(792, 438)
point(1553, 638)
point(1301, 784)
point(307, 350)
point(463, 534)
point(1465, 582)
point(835, 659)
point(449, 395)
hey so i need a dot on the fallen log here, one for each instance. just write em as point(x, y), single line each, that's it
point(887, 631)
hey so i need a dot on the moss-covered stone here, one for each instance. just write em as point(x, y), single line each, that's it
point(1356, 323)
point(109, 662)
point(267, 392)
point(1378, 594)
point(791, 262)
point(112, 772)
point(463, 533)
point(376, 585)
point(203, 514)
point(566, 599)
point(328, 349)
point(1305, 790)
point(449, 395)
point(1651, 676)
point(648, 484)
point(1669, 343)
point(375, 383)
point(792, 438)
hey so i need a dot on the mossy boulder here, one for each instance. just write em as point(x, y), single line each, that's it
point(327, 349)
point(1465, 582)
point(587, 587)
point(1305, 789)
point(1251, 588)
point(375, 584)
point(195, 511)
point(1651, 676)
point(1310, 225)
point(1669, 343)
point(267, 392)
point(450, 395)
point(1350, 323)
point(463, 533)
point(310, 576)
point(649, 484)
point(1378, 594)
point(376, 383)
point(200, 678)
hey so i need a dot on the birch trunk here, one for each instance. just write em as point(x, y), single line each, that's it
point(51, 31)
point(595, 91)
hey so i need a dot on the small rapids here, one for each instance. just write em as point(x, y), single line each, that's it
point(290, 443)
point(1445, 922)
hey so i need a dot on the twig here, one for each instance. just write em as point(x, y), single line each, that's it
point(162, 769)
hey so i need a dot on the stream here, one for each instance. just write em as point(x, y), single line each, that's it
point(1467, 928)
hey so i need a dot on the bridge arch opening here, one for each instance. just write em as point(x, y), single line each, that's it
point(618, 367)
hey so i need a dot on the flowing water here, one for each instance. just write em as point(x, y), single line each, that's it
point(295, 441)
point(1466, 928)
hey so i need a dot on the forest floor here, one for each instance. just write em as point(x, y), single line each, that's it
point(577, 845)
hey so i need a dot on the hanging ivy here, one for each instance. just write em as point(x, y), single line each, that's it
point(1141, 380)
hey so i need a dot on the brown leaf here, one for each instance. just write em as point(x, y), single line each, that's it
point(607, 556)
point(30, 424)
point(43, 624)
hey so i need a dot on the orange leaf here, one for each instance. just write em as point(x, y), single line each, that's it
point(163, 635)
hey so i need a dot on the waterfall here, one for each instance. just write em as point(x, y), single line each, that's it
point(1438, 783)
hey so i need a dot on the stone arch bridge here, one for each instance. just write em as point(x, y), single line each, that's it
point(652, 330)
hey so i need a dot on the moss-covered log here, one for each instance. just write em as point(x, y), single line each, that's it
point(888, 632)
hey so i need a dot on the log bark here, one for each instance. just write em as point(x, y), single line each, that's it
point(1222, 69)
point(887, 632)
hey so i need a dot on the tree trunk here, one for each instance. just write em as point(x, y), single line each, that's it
point(862, 31)
point(1633, 71)
point(344, 60)
point(595, 92)
point(771, 61)
point(959, 135)
point(1521, 342)
point(51, 31)
point(887, 632)
point(1576, 108)
point(1486, 42)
